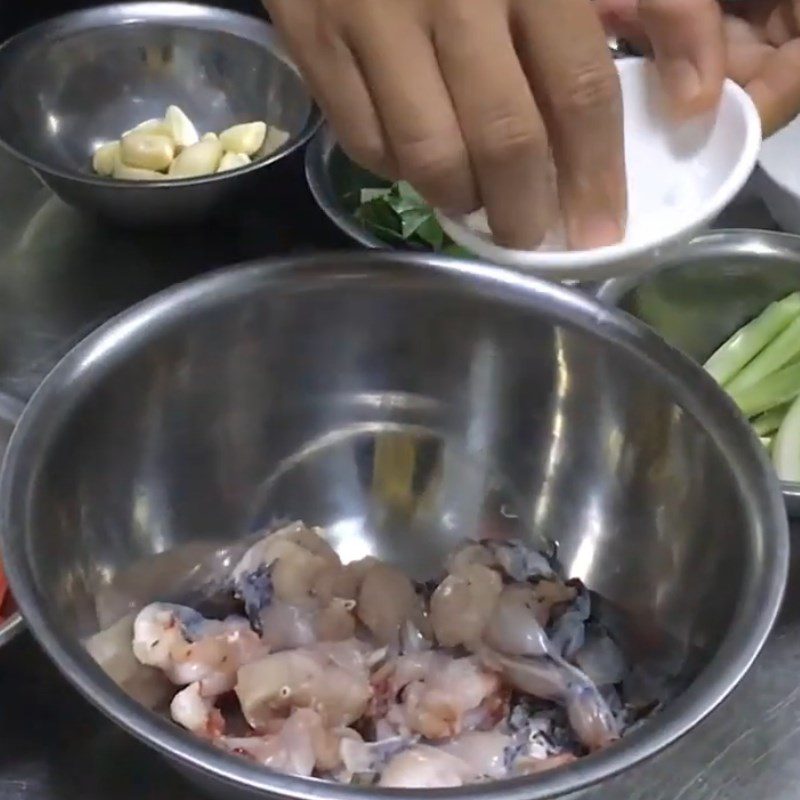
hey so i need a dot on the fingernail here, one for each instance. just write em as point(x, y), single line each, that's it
point(681, 81)
point(595, 231)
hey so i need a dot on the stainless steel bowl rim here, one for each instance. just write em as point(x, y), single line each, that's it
point(689, 386)
point(722, 241)
point(324, 193)
point(11, 629)
point(169, 13)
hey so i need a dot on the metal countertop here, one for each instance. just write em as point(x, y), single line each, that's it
point(60, 276)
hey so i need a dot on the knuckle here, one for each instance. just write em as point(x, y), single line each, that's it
point(456, 17)
point(507, 138)
point(590, 89)
point(371, 153)
point(431, 162)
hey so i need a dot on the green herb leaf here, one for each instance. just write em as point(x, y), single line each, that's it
point(368, 195)
point(457, 251)
point(408, 192)
point(399, 215)
point(430, 232)
point(378, 213)
point(413, 219)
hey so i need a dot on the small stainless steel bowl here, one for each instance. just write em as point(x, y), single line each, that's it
point(333, 178)
point(10, 412)
point(699, 297)
point(277, 390)
point(78, 80)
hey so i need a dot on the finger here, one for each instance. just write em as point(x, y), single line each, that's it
point(577, 89)
point(687, 40)
point(747, 50)
point(621, 18)
point(399, 63)
point(335, 80)
point(689, 48)
point(776, 88)
point(502, 128)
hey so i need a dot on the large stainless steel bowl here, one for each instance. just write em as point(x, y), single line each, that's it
point(405, 402)
point(78, 80)
point(699, 297)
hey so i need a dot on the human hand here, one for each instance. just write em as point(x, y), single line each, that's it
point(465, 99)
point(762, 42)
point(764, 56)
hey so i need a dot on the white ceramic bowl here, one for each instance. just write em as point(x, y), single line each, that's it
point(680, 176)
point(778, 180)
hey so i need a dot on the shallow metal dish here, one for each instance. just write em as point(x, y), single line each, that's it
point(331, 176)
point(10, 412)
point(218, 406)
point(75, 81)
point(701, 296)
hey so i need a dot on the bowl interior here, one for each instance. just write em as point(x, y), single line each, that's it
point(72, 84)
point(679, 177)
point(430, 406)
point(699, 299)
point(336, 183)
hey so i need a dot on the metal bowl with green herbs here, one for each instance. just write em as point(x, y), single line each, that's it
point(368, 209)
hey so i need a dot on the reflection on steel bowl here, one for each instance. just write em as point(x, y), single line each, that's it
point(438, 401)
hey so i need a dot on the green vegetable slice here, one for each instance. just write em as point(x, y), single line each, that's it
point(786, 446)
point(779, 388)
point(767, 423)
point(751, 339)
point(779, 352)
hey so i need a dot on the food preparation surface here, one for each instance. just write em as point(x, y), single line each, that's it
point(60, 276)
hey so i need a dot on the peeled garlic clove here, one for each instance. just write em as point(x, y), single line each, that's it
point(147, 151)
point(275, 139)
point(156, 126)
point(246, 138)
point(183, 131)
point(125, 173)
point(233, 161)
point(202, 158)
point(210, 136)
point(104, 159)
